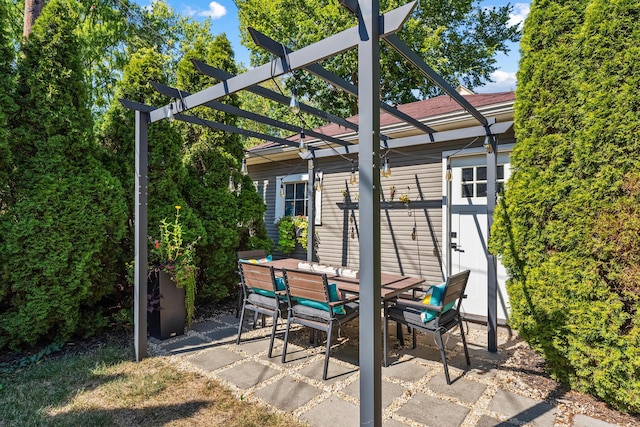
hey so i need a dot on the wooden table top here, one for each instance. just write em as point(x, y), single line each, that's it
point(391, 284)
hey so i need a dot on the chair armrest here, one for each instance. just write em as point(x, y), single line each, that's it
point(347, 300)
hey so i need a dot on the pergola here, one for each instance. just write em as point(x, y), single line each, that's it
point(366, 37)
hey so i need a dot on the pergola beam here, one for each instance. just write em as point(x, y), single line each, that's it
point(282, 51)
point(274, 96)
point(313, 53)
point(401, 47)
point(232, 109)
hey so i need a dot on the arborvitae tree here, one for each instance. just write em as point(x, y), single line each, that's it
point(7, 106)
point(568, 227)
point(231, 219)
point(166, 170)
point(66, 212)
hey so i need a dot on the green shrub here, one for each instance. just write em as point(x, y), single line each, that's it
point(65, 216)
point(568, 227)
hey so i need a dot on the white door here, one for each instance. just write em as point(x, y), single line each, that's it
point(469, 230)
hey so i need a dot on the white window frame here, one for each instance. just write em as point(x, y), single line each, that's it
point(292, 179)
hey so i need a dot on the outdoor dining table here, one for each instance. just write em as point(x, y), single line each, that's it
point(391, 284)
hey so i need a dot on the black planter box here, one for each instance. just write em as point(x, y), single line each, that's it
point(167, 313)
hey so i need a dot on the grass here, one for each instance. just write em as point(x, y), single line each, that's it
point(104, 387)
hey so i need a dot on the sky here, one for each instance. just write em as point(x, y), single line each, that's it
point(224, 19)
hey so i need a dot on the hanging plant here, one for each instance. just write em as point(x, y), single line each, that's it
point(292, 230)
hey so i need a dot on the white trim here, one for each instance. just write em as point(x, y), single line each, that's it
point(300, 177)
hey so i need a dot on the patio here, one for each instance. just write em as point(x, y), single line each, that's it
point(414, 392)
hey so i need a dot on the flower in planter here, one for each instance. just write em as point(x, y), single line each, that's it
point(171, 255)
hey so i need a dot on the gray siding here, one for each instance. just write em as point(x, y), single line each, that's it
point(415, 171)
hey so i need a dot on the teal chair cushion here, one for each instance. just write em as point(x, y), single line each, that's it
point(434, 296)
point(333, 296)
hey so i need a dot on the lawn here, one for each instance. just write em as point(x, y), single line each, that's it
point(104, 387)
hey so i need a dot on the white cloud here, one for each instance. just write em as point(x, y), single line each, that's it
point(189, 11)
point(503, 81)
point(518, 14)
point(215, 11)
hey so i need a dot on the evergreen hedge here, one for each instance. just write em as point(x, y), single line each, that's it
point(568, 225)
point(65, 213)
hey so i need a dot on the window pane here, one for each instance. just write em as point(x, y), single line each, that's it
point(481, 173)
point(501, 172)
point(481, 190)
point(499, 187)
point(288, 193)
point(467, 174)
point(467, 190)
point(300, 190)
point(289, 208)
point(299, 207)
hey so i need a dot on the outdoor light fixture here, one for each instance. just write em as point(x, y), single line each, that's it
point(353, 179)
point(449, 175)
point(386, 168)
point(487, 144)
point(294, 105)
point(170, 112)
point(281, 190)
point(244, 166)
point(302, 147)
point(232, 185)
point(318, 183)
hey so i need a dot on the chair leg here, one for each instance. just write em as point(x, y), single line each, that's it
point(273, 331)
point(239, 302)
point(240, 324)
point(443, 356)
point(399, 333)
point(326, 356)
point(286, 339)
point(464, 344)
point(415, 340)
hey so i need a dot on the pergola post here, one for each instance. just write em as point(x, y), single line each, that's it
point(140, 245)
point(369, 187)
point(492, 267)
point(311, 207)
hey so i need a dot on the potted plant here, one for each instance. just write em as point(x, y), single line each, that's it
point(171, 287)
point(292, 230)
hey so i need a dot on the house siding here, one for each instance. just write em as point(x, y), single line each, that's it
point(416, 171)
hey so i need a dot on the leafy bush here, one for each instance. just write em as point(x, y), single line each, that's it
point(292, 231)
point(568, 226)
point(65, 215)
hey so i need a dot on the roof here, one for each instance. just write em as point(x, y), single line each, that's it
point(419, 110)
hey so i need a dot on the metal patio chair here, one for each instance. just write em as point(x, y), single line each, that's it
point(262, 295)
point(315, 303)
point(436, 319)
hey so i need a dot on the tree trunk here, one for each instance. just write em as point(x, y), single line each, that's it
point(32, 9)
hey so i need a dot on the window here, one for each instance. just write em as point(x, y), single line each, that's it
point(474, 181)
point(292, 198)
point(295, 199)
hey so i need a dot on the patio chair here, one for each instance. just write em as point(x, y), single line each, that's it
point(315, 303)
point(263, 294)
point(438, 317)
point(246, 255)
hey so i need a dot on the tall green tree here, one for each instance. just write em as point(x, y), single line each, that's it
point(232, 218)
point(567, 228)
point(66, 213)
point(7, 84)
point(458, 38)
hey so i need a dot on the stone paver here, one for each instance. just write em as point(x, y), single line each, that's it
point(523, 409)
point(210, 346)
point(486, 421)
point(390, 391)
point(462, 389)
point(288, 394)
point(335, 372)
point(248, 374)
point(214, 359)
point(333, 412)
point(405, 371)
point(433, 412)
point(585, 421)
point(185, 345)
